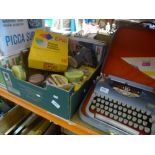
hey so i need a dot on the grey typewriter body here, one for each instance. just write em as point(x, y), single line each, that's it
point(120, 106)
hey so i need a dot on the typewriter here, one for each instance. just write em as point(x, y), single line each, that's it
point(119, 106)
point(123, 100)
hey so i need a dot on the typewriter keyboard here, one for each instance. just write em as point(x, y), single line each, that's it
point(120, 115)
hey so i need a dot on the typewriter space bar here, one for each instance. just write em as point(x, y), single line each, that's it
point(116, 124)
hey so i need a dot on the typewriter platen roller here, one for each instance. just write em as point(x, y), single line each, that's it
point(120, 106)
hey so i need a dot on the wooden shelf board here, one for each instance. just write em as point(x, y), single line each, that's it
point(75, 125)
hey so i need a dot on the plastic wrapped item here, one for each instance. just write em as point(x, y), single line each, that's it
point(74, 75)
point(36, 79)
point(19, 72)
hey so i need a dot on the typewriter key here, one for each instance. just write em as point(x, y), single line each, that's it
point(98, 95)
point(119, 103)
point(142, 111)
point(120, 108)
point(102, 101)
point(98, 109)
point(148, 113)
point(139, 115)
point(141, 127)
point(106, 98)
point(147, 130)
point(150, 120)
point(106, 103)
point(115, 111)
point(124, 115)
point(94, 101)
point(123, 104)
point(134, 119)
point(106, 108)
point(125, 121)
point(145, 123)
point(130, 123)
point(111, 115)
point(94, 95)
point(139, 121)
point(114, 101)
point(138, 110)
point(119, 113)
point(97, 104)
point(134, 113)
point(106, 113)
point(110, 109)
point(128, 106)
point(124, 109)
point(135, 125)
point(120, 119)
point(111, 104)
point(98, 99)
point(110, 99)
point(115, 106)
point(102, 97)
point(102, 111)
point(129, 111)
point(92, 107)
point(115, 117)
point(101, 106)
point(145, 117)
point(133, 108)
point(129, 117)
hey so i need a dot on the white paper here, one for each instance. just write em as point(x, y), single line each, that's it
point(144, 64)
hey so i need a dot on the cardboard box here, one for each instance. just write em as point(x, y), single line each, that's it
point(12, 118)
point(49, 51)
point(53, 99)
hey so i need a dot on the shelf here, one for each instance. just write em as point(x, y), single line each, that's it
point(74, 125)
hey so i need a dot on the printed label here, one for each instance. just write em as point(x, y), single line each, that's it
point(55, 96)
point(104, 90)
point(7, 79)
point(147, 63)
point(49, 66)
point(38, 95)
point(55, 104)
